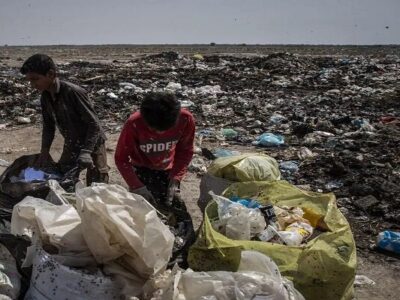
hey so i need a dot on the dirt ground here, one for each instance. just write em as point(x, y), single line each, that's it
point(382, 269)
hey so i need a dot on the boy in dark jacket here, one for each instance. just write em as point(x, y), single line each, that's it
point(68, 107)
point(155, 148)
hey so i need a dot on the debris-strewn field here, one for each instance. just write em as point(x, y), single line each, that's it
point(337, 108)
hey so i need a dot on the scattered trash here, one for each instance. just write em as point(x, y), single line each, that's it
point(229, 133)
point(173, 86)
point(277, 118)
point(289, 166)
point(367, 203)
point(389, 241)
point(197, 165)
point(187, 103)
point(23, 120)
point(4, 163)
point(111, 95)
point(334, 184)
point(344, 108)
point(269, 140)
point(208, 90)
point(362, 280)
point(305, 153)
point(219, 152)
point(198, 56)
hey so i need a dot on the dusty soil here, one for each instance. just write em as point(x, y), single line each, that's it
point(382, 269)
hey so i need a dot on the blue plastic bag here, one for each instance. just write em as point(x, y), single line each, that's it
point(249, 203)
point(270, 140)
point(389, 241)
point(219, 152)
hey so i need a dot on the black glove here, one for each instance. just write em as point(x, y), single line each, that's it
point(85, 159)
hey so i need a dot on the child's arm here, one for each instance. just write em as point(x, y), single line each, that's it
point(85, 110)
point(49, 127)
point(184, 151)
point(126, 143)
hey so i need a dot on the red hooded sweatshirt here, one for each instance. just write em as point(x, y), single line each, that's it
point(141, 146)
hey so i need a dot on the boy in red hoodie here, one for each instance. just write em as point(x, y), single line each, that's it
point(155, 148)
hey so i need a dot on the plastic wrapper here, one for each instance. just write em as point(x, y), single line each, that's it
point(237, 221)
point(258, 277)
point(296, 233)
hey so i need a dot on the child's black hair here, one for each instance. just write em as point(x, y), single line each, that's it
point(38, 63)
point(160, 110)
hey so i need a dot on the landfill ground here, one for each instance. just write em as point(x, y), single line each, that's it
point(350, 94)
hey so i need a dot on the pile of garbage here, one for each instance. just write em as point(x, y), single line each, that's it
point(246, 219)
point(106, 244)
point(103, 242)
point(257, 277)
point(335, 117)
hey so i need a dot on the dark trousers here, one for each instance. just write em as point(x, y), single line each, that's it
point(157, 183)
point(99, 171)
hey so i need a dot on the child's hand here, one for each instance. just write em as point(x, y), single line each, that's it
point(85, 159)
point(145, 193)
point(173, 188)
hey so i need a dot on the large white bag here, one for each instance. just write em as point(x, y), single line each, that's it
point(118, 224)
point(258, 277)
point(52, 280)
point(10, 280)
point(58, 225)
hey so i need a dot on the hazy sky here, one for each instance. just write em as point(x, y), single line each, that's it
point(43, 22)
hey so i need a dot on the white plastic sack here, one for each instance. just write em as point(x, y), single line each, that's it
point(52, 280)
point(10, 280)
point(118, 224)
point(58, 225)
point(258, 276)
